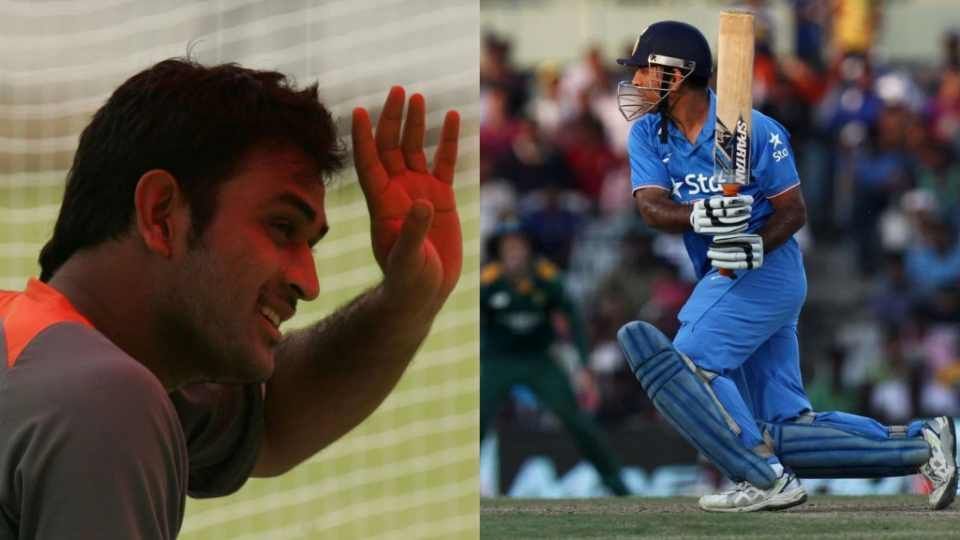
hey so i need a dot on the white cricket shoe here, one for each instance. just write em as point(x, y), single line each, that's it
point(745, 497)
point(941, 468)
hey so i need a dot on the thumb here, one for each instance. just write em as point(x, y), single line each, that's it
point(407, 252)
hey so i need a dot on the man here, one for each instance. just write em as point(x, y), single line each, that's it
point(730, 381)
point(519, 298)
point(147, 361)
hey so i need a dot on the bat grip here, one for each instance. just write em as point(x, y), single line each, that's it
point(729, 190)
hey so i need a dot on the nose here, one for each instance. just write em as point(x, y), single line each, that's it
point(302, 275)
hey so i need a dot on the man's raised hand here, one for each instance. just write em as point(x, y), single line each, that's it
point(415, 229)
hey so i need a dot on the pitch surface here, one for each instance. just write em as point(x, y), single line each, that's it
point(821, 517)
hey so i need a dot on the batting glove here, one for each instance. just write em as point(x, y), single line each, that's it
point(721, 215)
point(736, 251)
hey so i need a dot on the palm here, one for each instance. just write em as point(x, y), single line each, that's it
point(393, 174)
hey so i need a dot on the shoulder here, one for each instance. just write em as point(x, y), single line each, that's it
point(546, 270)
point(490, 273)
point(6, 297)
point(93, 433)
point(94, 380)
point(762, 124)
point(645, 128)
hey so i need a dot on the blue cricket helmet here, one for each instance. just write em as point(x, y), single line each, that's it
point(672, 44)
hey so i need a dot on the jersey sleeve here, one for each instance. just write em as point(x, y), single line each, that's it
point(774, 167)
point(93, 453)
point(223, 425)
point(646, 167)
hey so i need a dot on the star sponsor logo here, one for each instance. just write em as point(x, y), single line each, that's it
point(782, 153)
point(676, 187)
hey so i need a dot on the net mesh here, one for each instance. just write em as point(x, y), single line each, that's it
point(410, 470)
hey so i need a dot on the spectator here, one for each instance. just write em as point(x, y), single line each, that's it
point(880, 171)
point(531, 161)
point(892, 299)
point(552, 217)
point(934, 260)
point(497, 127)
point(589, 155)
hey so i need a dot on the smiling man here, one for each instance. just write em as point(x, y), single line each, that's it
point(146, 362)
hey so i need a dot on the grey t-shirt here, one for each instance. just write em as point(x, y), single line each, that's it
point(93, 446)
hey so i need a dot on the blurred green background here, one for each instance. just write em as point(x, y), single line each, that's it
point(410, 470)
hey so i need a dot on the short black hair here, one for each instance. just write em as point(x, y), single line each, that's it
point(197, 122)
point(697, 82)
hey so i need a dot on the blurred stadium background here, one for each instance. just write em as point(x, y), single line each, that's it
point(410, 470)
point(869, 90)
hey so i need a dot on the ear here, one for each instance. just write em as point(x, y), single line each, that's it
point(676, 77)
point(161, 211)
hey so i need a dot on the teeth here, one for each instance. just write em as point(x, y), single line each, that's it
point(271, 314)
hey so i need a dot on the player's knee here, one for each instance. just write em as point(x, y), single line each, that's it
point(690, 347)
point(644, 345)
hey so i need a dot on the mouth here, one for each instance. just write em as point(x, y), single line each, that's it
point(271, 316)
point(271, 323)
point(274, 313)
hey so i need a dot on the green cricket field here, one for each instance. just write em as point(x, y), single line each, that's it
point(679, 517)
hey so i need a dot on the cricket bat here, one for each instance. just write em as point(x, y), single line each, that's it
point(731, 156)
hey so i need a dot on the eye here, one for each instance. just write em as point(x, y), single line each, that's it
point(284, 229)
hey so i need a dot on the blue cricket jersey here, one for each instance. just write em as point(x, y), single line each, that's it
point(686, 170)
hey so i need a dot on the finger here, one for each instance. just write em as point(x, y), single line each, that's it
point(730, 265)
point(413, 132)
point(745, 239)
point(373, 178)
point(407, 254)
point(445, 160)
point(721, 222)
point(727, 212)
point(730, 256)
point(388, 132)
point(729, 202)
point(737, 220)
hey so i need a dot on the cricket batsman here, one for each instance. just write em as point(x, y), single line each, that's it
point(730, 381)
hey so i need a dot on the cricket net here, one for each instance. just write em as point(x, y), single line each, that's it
point(409, 471)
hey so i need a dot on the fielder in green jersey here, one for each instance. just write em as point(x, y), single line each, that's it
point(520, 296)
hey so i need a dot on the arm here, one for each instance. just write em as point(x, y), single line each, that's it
point(582, 378)
point(661, 213)
point(332, 375)
point(789, 215)
point(575, 324)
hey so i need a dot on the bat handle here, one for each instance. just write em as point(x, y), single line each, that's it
point(730, 189)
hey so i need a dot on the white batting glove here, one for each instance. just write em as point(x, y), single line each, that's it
point(736, 251)
point(721, 215)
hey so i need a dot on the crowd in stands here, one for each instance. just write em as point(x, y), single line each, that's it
point(877, 147)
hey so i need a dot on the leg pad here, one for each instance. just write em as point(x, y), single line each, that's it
point(815, 447)
point(684, 398)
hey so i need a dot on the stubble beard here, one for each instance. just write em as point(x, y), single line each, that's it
point(203, 316)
